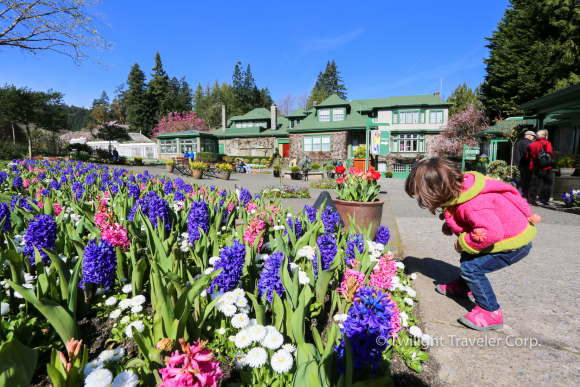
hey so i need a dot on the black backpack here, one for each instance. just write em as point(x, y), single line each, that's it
point(545, 160)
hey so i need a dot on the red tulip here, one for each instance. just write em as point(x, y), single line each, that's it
point(340, 169)
point(340, 180)
point(376, 175)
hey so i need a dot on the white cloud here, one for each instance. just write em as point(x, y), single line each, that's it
point(319, 44)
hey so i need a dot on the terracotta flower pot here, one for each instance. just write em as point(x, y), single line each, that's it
point(225, 175)
point(197, 174)
point(169, 168)
point(365, 214)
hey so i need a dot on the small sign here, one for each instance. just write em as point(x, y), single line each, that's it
point(470, 157)
point(380, 142)
point(471, 152)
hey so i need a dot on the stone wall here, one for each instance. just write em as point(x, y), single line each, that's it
point(338, 145)
point(249, 146)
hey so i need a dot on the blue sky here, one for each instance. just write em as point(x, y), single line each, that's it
point(382, 48)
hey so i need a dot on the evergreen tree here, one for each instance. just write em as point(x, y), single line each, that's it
point(462, 98)
point(535, 50)
point(139, 110)
point(159, 89)
point(328, 83)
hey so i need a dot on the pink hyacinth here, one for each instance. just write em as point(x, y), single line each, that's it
point(40, 204)
point(351, 283)
point(34, 180)
point(57, 208)
point(194, 368)
point(382, 276)
point(251, 206)
point(231, 206)
point(101, 218)
point(26, 183)
point(395, 321)
point(116, 234)
point(253, 229)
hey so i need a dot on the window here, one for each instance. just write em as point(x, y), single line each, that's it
point(238, 124)
point(324, 115)
point(408, 142)
point(307, 144)
point(436, 116)
point(207, 145)
point(168, 146)
point(244, 124)
point(186, 146)
point(316, 143)
point(409, 117)
point(338, 114)
point(263, 124)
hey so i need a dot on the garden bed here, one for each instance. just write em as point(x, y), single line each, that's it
point(285, 192)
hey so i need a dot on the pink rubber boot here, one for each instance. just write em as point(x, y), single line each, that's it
point(453, 289)
point(482, 320)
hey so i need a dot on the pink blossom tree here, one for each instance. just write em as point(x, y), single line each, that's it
point(458, 132)
point(180, 122)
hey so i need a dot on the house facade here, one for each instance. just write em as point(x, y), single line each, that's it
point(173, 145)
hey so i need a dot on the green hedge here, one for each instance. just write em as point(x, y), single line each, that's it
point(205, 155)
point(9, 151)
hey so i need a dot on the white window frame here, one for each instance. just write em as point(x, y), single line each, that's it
point(316, 144)
point(324, 117)
point(407, 142)
point(238, 124)
point(164, 144)
point(436, 116)
point(325, 143)
point(307, 145)
point(338, 112)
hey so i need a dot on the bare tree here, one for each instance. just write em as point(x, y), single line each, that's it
point(63, 26)
point(302, 100)
point(286, 105)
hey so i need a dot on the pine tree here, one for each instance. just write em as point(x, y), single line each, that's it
point(535, 50)
point(328, 83)
point(139, 109)
point(462, 98)
point(160, 89)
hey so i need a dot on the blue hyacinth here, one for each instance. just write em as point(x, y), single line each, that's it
point(134, 191)
point(5, 215)
point(41, 233)
point(310, 213)
point(232, 260)
point(168, 187)
point(99, 264)
point(179, 196)
point(353, 241)
point(382, 235)
point(270, 281)
point(245, 196)
point(330, 219)
point(17, 182)
point(197, 218)
point(327, 247)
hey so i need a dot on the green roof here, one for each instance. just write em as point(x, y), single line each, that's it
point(399, 101)
point(333, 100)
point(311, 124)
point(508, 124)
point(185, 134)
point(298, 113)
point(256, 114)
point(233, 132)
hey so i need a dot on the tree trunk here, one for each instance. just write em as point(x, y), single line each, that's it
point(29, 142)
point(13, 134)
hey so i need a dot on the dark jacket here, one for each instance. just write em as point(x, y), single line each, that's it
point(520, 150)
point(115, 153)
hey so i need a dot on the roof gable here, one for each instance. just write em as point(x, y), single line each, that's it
point(333, 100)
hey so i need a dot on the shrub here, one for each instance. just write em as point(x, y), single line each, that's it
point(238, 159)
point(84, 157)
point(204, 156)
point(360, 152)
point(498, 169)
point(228, 159)
point(221, 156)
point(389, 174)
point(276, 167)
point(225, 167)
point(256, 161)
point(264, 162)
point(9, 151)
point(138, 160)
point(295, 169)
point(79, 148)
point(565, 162)
point(315, 166)
point(330, 168)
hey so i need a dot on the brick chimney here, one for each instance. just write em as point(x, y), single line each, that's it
point(274, 117)
point(224, 118)
point(437, 94)
point(314, 103)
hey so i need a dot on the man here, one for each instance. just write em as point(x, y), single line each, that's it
point(115, 155)
point(522, 162)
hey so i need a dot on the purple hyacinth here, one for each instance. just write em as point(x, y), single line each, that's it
point(328, 248)
point(245, 196)
point(17, 182)
point(257, 196)
point(223, 193)
point(143, 203)
point(310, 213)
point(99, 264)
point(5, 215)
point(270, 277)
point(383, 235)
point(41, 233)
point(232, 260)
point(22, 203)
point(212, 188)
point(369, 318)
point(168, 188)
point(158, 209)
point(353, 240)
point(41, 176)
point(134, 190)
point(296, 226)
point(54, 185)
point(179, 196)
point(3, 177)
point(197, 218)
point(330, 219)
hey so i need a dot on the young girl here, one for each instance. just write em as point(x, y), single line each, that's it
point(493, 223)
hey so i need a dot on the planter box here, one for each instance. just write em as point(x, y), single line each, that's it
point(365, 215)
point(360, 164)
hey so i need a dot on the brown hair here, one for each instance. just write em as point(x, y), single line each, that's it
point(435, 182)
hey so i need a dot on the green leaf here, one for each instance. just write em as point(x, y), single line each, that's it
point(17, 364)
point(259, 309)
point(65, 325)
point(307, 375)
point(349, 363)
point(73, 286)
point(63, 272)
point(55, 376)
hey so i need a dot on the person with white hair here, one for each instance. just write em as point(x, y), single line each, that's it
point(540, 167)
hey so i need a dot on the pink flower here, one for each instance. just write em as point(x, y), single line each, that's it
point(231, 206)
point(116, 234)
point(34, 180)
point(101, 218)
point(381, 277)
point(194, 368)
point(57, 208)
point(40, 204)
point(351, 283)
point(253, 229)
point(26, 183)
point(251, 206)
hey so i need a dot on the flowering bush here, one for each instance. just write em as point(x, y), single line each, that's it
point(357, 186)
point(198, 166)
point(180, 122)
point(572, 198)
point(285, 191)
point(224, 167)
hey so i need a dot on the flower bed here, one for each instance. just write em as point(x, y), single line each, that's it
point(284, 191)
point(256, 166)
point(324, 184)
point(181, 295)
point(572, 198)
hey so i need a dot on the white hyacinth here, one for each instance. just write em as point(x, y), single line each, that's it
point(213, 260)
point(340, 318)
point(303, 278)
point(208, 270)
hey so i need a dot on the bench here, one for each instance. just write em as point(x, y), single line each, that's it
point(181, 166)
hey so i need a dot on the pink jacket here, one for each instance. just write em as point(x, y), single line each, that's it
point(490, 216)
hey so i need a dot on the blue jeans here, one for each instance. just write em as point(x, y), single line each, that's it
point(474, 268)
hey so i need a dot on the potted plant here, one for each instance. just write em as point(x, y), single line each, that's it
point(225, 169)
point(360, 155)
point(295, 175)
point(358, 201)
point(169, 166)
point(138, 160)
point(276, 170)
point(197, 168)
point(566, 165)
point(329, 171)
point(389, 175)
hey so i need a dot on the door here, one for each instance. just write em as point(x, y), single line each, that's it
point(286, 150)
point(221, 148)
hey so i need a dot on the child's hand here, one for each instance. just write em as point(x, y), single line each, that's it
point(446, 230)
point(458, 247)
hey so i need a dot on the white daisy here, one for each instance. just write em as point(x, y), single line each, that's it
point(127, 288)
point(271, 329)
point(208, 270)
point(126, 303)
point(229, 310)
point(410, 291)
point(232, 338)
point(243, 339)
point(106, 355)
point(289, 348)
point(221, 331)
point(282, 361)
point(125, 320)
point(257, 332)
point(139, 326)
point(119, 353)
point(115, 314)
point(257, 357)
point(414, 276)
point(273, 340)
point(213, 260)
point(125, 379)
point(138, 300)
point(4, 308)
point(400, 265)
point(90, 367)
point(408, 301)
point(136, 309)
point(293, 266)
point(415, 331)
point(303, 278)
point(242, 302)
point(240, 359)
point(339, 318)
point(239, 292)
point(101, 377)
point(252, 322)
point(240, 320)
point(229, 298)
point(427, 340)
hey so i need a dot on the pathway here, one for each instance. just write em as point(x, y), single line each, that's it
point(539, 296)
